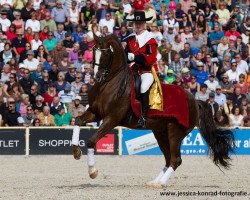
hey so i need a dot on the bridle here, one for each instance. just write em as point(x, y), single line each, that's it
point(102, 77)
point(107, 73)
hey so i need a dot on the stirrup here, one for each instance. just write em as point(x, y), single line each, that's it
point(141, 123)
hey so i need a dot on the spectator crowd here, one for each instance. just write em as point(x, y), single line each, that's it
point(46, 54)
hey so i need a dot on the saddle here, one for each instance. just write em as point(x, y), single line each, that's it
point(137, 84)
point(155, 95)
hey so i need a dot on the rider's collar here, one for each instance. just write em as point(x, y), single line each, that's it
point(143, 38)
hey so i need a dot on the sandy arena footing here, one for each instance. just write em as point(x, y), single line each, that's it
point(120, 178)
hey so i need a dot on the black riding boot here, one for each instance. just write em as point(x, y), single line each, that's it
point(144, 110)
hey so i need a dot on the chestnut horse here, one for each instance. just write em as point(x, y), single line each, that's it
point(109, 100)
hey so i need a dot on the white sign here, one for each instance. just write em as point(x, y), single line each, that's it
point(141, 144)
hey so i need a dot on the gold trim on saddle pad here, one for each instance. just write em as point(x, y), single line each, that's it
point(156, 96)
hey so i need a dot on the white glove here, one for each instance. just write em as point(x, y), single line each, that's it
point(131, 56)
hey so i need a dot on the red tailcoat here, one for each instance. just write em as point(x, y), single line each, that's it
point(145, 56)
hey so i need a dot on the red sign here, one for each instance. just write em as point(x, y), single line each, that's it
point(106, 144)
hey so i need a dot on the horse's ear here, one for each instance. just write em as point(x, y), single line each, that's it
point(94, 30)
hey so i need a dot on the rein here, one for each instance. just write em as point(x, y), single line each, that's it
point(106, 75)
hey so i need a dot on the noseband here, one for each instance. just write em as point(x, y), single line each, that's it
point(102, 77)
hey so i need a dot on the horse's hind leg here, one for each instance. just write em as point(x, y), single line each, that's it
point(88, 116)
point(176, 133)
point(162, 139)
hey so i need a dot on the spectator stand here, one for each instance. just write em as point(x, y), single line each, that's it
point(58, 48)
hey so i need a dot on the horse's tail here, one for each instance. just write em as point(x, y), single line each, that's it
point(220, 142)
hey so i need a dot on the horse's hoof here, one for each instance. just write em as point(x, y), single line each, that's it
point(77, 153)
point(153, 185)
point(93, 174)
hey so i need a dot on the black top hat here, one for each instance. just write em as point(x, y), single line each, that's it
point(139, 16)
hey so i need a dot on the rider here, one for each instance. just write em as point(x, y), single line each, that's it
point(142, 50)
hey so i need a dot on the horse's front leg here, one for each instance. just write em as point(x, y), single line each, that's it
point(87, 117)
point(107, 125)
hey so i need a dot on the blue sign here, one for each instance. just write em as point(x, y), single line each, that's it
point(242, 141)
point(194, 144)
point(135, 142)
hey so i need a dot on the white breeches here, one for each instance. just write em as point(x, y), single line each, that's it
point(147, 80)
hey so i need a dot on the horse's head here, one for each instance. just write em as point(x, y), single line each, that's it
point(103, 57)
